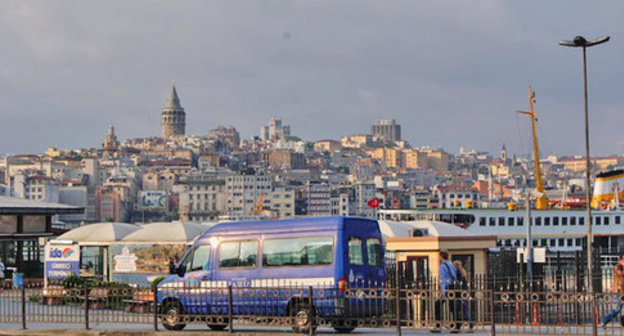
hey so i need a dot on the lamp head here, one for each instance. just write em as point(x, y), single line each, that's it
point(580, 41)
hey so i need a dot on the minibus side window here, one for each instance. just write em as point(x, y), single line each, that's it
point(356, 257)
point(201, 258)
point(238, 254)
point(373, 251)
point(304, 251)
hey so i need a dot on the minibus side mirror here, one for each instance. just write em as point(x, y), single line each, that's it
point(181, 270)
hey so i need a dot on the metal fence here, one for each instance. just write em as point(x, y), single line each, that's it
point(219, 306)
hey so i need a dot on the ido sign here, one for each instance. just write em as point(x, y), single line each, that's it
point(61, 261)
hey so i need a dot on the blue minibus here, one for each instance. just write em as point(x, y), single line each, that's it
point(332, 255)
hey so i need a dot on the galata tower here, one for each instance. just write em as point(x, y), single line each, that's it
point(173, 116)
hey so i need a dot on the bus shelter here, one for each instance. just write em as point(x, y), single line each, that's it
point(120, 252)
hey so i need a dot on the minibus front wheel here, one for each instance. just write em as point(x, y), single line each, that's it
point(302, 317)
point(172, 315)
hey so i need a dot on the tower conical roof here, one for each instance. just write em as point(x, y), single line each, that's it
point(174, 101)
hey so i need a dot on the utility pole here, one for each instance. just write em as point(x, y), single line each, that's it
point(529, 240)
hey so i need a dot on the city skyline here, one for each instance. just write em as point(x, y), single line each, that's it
point(452, 74)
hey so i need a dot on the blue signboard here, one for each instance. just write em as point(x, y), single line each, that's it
point(61, 269)
point(61, 261)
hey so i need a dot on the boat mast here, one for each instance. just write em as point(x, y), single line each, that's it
point(541, 202)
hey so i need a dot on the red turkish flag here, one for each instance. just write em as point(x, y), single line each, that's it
point(373, 203)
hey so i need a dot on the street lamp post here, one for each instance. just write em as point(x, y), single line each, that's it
point(580, 41)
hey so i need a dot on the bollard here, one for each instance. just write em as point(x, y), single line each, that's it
point(398, 302)
point(23, 307)
point(155, 308)
point(86, 307)
point(230, 319)
point(311, 317)
point(491, 299)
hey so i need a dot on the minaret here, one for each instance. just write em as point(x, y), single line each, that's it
point(173, 116)
point(110, 145)
point(503, 153)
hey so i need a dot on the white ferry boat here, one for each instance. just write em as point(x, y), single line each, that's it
point(558, 230)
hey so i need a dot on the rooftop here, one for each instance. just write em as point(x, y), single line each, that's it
point(20, 206)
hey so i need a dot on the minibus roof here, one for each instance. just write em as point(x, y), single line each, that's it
point(281, 226)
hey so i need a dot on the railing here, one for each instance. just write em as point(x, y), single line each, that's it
point(222, 305)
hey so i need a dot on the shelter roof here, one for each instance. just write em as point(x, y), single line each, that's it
point(21, 206)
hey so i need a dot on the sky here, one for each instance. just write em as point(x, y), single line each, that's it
point(452, 73)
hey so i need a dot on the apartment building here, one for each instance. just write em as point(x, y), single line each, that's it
point(247, 193)
point(202, 197)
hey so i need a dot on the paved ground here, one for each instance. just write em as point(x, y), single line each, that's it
point(241, 331)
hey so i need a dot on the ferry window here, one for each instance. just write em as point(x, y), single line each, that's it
point(298, 251)
point(481, 221)
point(570, 242)
point(606, 221)
point(572, 220)
point(492, 221)
point(534, 243)
point(501, 221)
point(543, 242)
point(553, 242)
point(561, 242)
point(520, 221)
point(238, 254)
point(617, 219)
point(555, 220)
point(597, 221)
point(373, 251)
point(538, 221)
point(578, 242)
point(581, 220)
point(201, 258)
point(546, 221)
point(564, 221)
point(356, 257)
point(511, 221)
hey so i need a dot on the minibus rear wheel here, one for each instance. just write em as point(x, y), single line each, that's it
point(172, 315)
